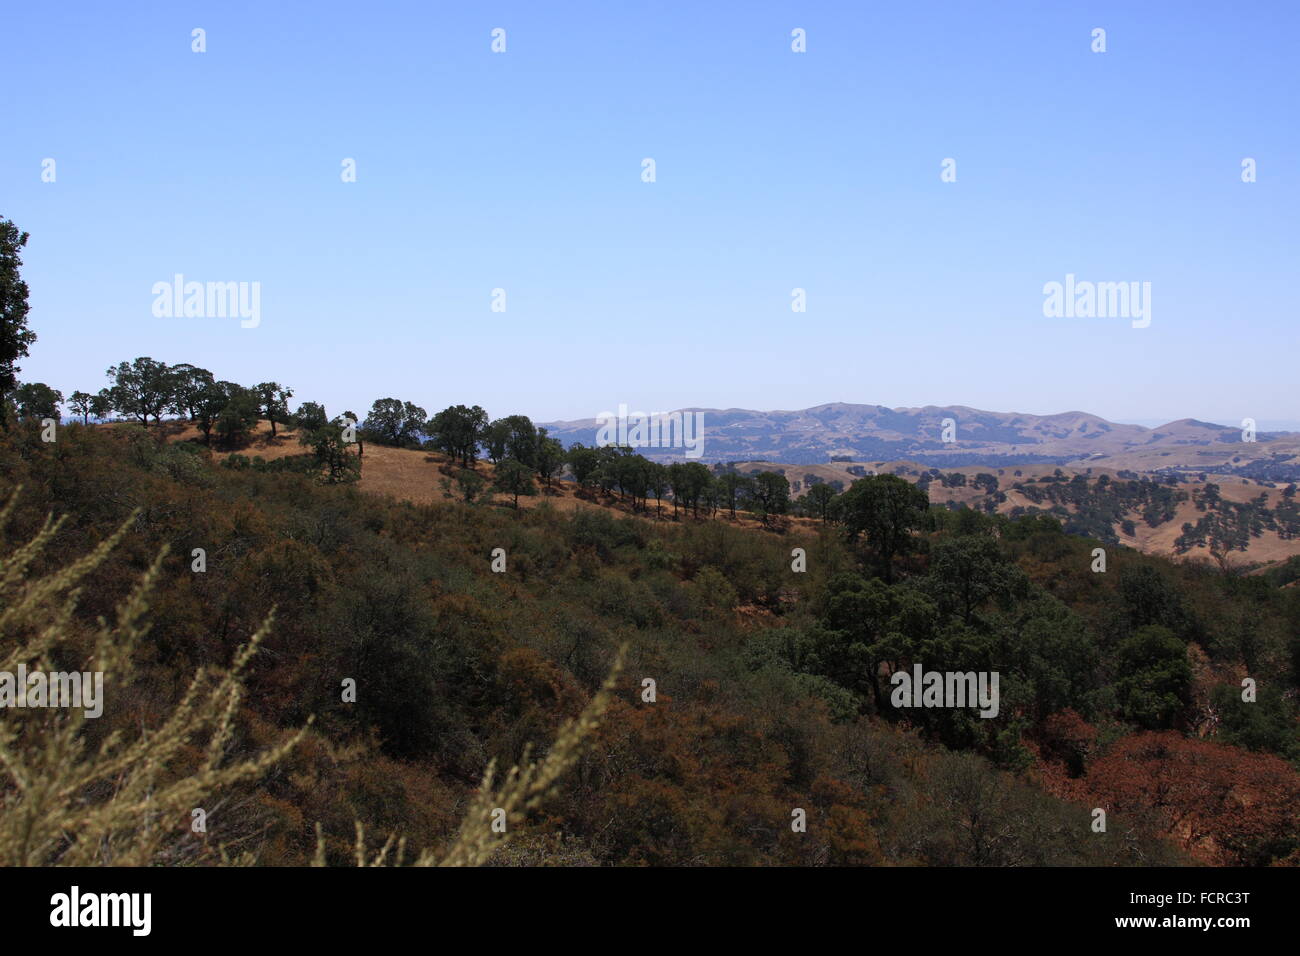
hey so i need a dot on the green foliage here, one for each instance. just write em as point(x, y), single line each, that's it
point(690, 481)
point(513, 437)
point(822, 501)
point(886, 510)
point(1152, 677)
point(334, 464)
point(514, 478)
point(101, 404)
point(732, 489)
point(210, 400)
point(142, 389)
point(582, 462)
point(470, 484)
point(310, 417)
point(968, 570)
point(81, 403)
point(273, 399)
point(238, 416)
point(456, 432)
point(549, 456)
point(394, 422)
point(37, 400)
point(1148, 597)
point(15, 337)
point(1270, 724)
point(189, 383)
point(768, 494)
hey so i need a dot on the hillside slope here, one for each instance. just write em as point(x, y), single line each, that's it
point(764, 699)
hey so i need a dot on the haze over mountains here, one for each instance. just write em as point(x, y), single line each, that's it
point(878, 433)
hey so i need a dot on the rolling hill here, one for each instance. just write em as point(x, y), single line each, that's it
point(874, 432)
point(1225, 505)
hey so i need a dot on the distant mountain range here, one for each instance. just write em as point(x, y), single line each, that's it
point(877, 433)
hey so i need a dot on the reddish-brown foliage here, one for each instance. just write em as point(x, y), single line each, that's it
point(1222, 804)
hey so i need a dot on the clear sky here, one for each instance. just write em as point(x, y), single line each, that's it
point(775, 170)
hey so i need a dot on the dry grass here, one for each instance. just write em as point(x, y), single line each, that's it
point(418, 476)
point(128, 800)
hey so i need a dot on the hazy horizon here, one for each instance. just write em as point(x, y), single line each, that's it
point(1263, 424)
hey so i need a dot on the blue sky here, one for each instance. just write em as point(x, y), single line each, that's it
point(774, 170)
